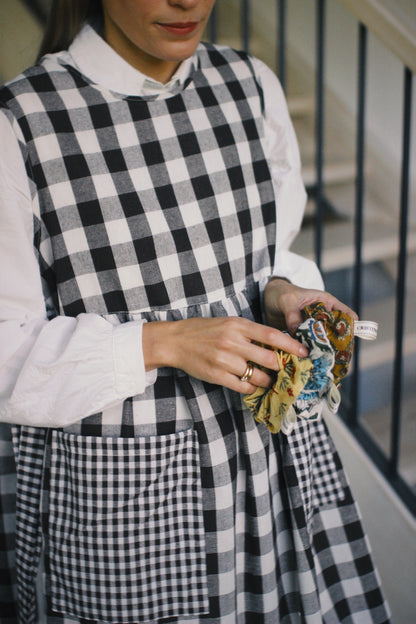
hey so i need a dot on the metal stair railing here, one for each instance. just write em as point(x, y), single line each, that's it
point(372, 16)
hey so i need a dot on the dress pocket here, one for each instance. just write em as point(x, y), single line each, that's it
point(125, 538)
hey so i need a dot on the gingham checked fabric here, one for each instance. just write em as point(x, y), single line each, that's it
point(104, 165)
point(163, 209)
point(29, 450)
point(7, 527)
point(106, 491)
point(317, 466)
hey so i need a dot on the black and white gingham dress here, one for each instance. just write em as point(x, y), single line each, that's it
point(176, 506)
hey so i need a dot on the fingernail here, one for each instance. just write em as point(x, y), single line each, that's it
point(303, 352)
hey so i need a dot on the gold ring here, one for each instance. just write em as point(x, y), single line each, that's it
point(248, 372)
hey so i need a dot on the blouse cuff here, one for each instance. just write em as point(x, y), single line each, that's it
point(131, 377)
point(298, 270)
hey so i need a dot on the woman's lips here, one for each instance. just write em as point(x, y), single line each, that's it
point(179, 28)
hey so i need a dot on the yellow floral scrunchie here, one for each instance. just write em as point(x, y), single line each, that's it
point(302, 384)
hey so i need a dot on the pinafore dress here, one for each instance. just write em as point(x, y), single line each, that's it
point(175, 506)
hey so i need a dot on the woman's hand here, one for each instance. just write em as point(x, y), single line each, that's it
point(284, 302)
point(216, 349)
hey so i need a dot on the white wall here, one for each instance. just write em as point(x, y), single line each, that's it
point(20, 36)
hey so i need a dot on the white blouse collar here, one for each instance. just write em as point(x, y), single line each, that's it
point(94, 58)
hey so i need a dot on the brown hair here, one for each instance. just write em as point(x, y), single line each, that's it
point(64, 22)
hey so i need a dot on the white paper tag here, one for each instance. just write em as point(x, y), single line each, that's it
point(366, 329)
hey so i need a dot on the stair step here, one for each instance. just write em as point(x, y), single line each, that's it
point(373, 250)
point(376, 373)
point(300, 105)
point(383, 310)
point(333, 173)
point(379, 244)
point(383, 352)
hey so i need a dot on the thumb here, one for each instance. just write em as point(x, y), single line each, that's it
point(293, 317)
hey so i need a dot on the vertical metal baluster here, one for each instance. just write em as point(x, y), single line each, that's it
point(281, 54)
point(213, 23)
point(320, 50)
point(359, 211)
point(245, 24)
point(401, 276)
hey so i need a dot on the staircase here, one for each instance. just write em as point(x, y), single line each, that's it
point(380, 236)
point(380, 252)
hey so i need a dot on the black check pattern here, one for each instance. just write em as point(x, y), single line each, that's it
point(29, 450)
point(150, 204)
point(146, 491)
point(8, 596)
point(317, 465)
point(164, 209)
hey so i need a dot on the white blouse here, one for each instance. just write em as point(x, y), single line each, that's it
point(53, 373)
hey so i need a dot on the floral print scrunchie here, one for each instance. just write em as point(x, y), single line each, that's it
point(303, 385)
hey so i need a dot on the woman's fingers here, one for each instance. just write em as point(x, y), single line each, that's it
point(242, 387)
point(284, 298)
point(273, 338)
point(258, 379)
point(217, 350)
point(332, 303)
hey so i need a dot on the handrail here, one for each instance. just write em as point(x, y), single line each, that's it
point(386, 25)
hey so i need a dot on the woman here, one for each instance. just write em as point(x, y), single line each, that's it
point(144, 177)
